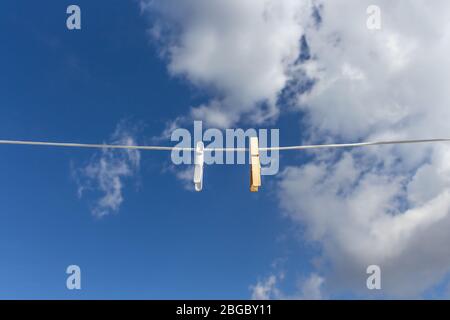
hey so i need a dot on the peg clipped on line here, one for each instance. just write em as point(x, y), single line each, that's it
point(255, 165)
point(198, 169)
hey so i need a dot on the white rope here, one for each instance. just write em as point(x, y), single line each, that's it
point(354, 145)
point(99, 146)
point(162, 148)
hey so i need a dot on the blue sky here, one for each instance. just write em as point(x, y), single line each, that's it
point(317, 70)
point(165, 241)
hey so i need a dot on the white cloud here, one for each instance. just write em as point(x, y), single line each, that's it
point(268, 288)
point(185, 174)
point(388, 206)
point(106, 172)
point(311, 288)
point(361, 216)
point(369, 81)
point(241, 50)
point(265, 289)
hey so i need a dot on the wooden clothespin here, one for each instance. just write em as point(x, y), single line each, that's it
point(255, 165)
point(198, 162)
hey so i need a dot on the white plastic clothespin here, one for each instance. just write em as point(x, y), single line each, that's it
point(255, 165)
point(198, 162)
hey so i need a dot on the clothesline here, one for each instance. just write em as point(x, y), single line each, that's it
point(165, 148)
point(254, 150)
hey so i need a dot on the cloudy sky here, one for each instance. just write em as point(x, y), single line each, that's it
point(313, 69)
